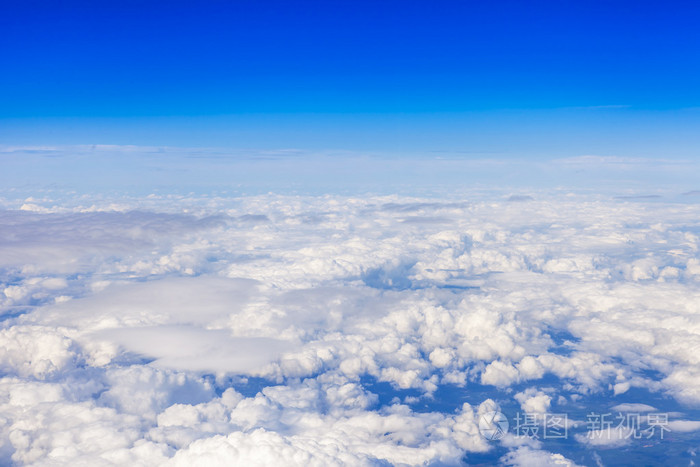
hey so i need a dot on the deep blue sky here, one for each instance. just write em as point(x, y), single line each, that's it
point(558, 77)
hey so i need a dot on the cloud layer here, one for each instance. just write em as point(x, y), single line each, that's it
point(339, 330)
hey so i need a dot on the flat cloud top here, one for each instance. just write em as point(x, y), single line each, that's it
point(194, 349)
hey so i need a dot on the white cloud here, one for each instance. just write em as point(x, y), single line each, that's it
point(527, 457)
point(683, 426)
point(637, 408)
point(608, 437)
point(36, 351)
point(140, 322)
point(534, 401)
point(196, 349)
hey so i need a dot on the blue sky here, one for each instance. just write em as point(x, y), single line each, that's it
point(497, 78)
point(315, 230)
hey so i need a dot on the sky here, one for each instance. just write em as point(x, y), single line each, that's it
point(347, 233)
point(480, 79)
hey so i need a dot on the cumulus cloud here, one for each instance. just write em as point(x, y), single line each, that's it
point(683, 426)
point(333, 330)
point(608, 437)
point(528, 457)
point(534, 401)
point(633, 407)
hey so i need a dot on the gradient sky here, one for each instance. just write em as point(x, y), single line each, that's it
point(534, 78)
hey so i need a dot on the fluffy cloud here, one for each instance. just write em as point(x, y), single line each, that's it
point(528, 457)
point(608, 437)
point(534, 401)
point(336, 331)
